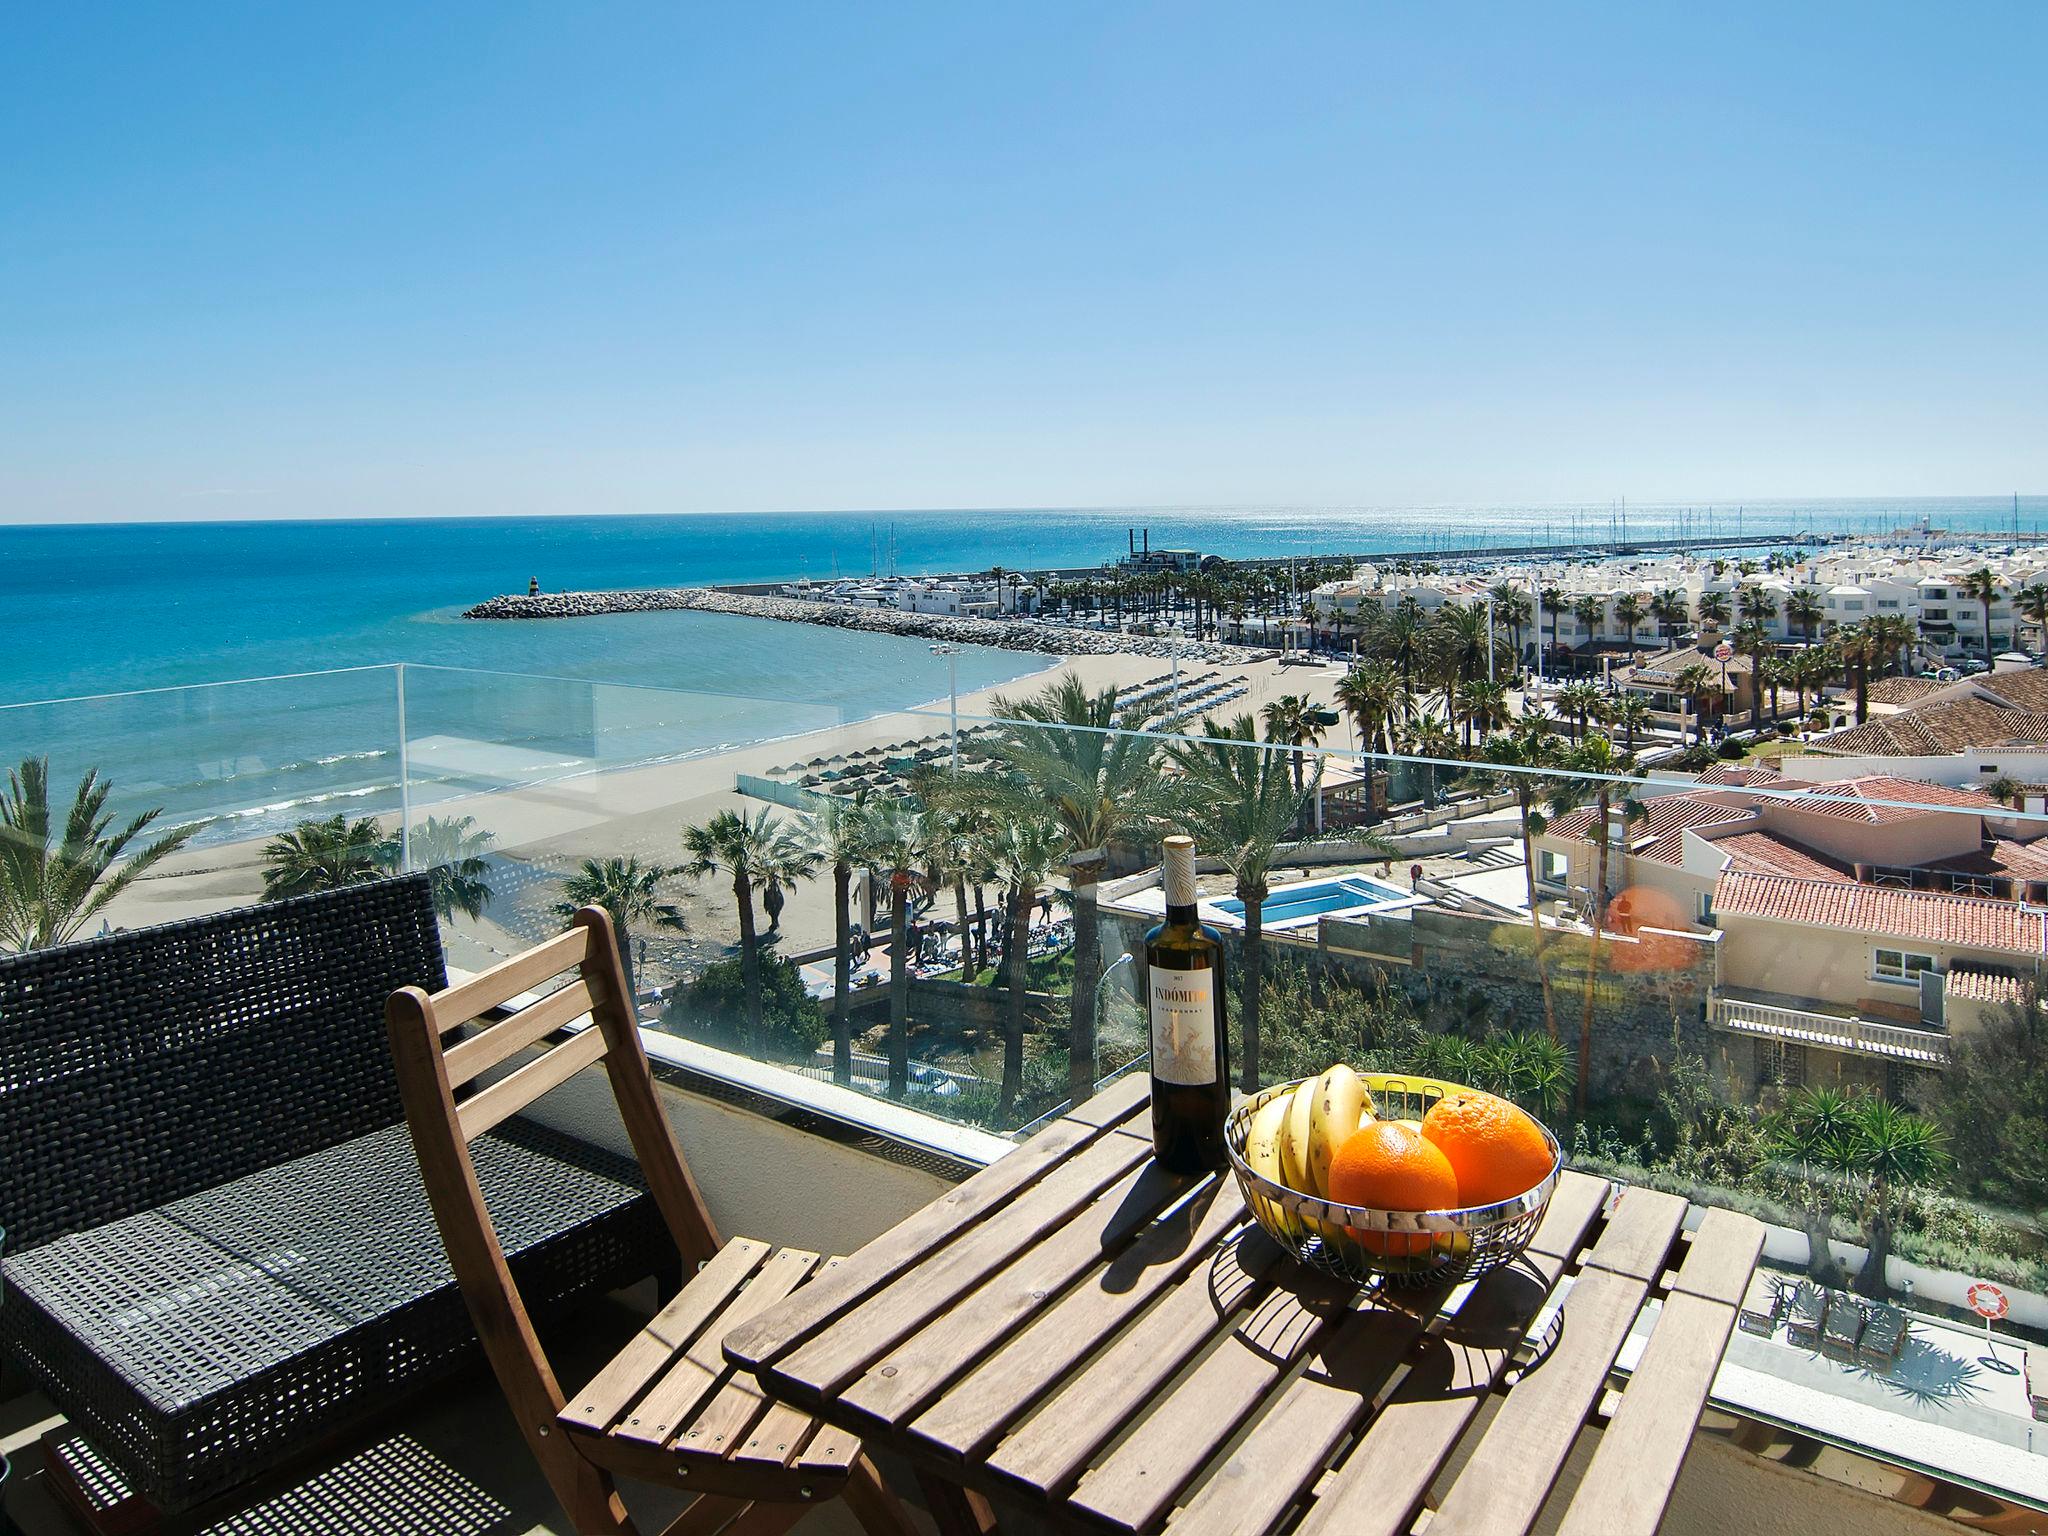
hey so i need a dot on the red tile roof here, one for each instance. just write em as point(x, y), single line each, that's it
point(1880, 798)
point(1982, 986)
point(1903, 690)
point(1663, 816)
point(1748, 776)
point(1762, 853)
point(1972, 921)
point(1938, 730)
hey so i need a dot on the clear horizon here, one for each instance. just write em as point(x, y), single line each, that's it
point(265, 265)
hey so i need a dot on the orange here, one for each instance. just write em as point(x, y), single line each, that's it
point(1388, 1167)
point(1496, 1150)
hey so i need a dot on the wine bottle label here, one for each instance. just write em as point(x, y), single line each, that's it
point(1183, 1026)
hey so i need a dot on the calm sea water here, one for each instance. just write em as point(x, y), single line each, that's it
point(101, 609)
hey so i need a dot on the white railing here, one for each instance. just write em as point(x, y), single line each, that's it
point(1830, 1029)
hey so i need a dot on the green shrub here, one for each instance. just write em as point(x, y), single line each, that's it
point(714, 1008)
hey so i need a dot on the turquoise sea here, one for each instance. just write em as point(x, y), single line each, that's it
point(111, 609)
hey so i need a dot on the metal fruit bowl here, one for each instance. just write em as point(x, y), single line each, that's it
point(1358, 1242)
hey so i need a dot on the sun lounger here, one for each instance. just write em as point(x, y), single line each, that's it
point(1809, 1309)
point(1884, 1336)
point(1762, 1304)
point(1842, 1327)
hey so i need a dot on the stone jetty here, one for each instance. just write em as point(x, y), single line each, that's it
point(1046, 636)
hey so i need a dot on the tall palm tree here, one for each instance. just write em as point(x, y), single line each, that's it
point(1431, 738)
point(1520, 755)
point(1370, 693)
point(1631, 712)
point(633, 894)
point(1811, 669)
point(1859, 649)
point(1021, 853)
point(1484, 706)
point(1756, 605)
point(451, 850)
point(898, 846)
point(1594, 755)
point(2031, 604)
point(1629, 609)
point(1580, 699)
point(1671, 611)
point(1696, 684)
point(1072, 753)
point(755, 853)
point(1401, 639)
point(839, 837)
point(1511, 609)
point(1236, 799)
point(1982, 584)
point(1554, 601)
point(1295, 719)
point(1754, 641)
point(53, 883)
point(1712, 609)
point(1896, 637)
point(1589, 611)
point(1804, 608)
point(322, 855)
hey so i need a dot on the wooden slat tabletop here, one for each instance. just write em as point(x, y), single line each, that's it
point(1119, 1349)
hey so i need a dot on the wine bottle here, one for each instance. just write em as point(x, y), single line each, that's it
point(1190, 1058)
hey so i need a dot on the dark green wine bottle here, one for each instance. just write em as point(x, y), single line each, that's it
point(1190, 1056)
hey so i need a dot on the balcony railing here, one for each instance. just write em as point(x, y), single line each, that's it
point(1832, 1031)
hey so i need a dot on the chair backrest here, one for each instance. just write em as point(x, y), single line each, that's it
point(435, 1062)
point(142, 1067)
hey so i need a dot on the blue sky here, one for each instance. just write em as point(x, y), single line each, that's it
point(262, 260)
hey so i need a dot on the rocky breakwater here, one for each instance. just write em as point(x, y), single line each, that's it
point(1045, 636)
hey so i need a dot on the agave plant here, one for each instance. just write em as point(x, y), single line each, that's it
point(52, 882)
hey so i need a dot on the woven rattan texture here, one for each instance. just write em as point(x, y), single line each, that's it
point(200, 1343)
point(145, 1066)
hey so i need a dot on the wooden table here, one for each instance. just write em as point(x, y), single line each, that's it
point(1074, 1330)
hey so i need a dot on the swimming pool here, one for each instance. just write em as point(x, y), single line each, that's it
point(1304, 903)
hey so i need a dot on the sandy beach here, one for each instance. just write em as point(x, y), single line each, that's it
point(549, 827)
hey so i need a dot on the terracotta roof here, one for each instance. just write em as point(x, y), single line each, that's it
point(1938, 730)
point(2024, 689)
point(1903, 690)
point(1665, 666)
point(1762, 853)
point(2016, 861)
point(1974, 921)
point(1982, 986)
point(1853, 799)
point(1663, 816)
point(1748, 776)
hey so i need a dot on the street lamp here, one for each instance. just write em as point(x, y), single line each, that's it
point(952, 654)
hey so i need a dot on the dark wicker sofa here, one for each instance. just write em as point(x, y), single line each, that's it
point(219, 1250)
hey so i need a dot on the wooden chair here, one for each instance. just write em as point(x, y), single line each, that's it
point(667, 1408)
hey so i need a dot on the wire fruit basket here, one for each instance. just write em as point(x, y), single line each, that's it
point(1409, 1247)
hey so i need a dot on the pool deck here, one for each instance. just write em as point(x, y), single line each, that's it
point(1152, 901)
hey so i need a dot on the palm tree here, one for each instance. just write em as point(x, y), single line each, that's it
point(757, 854)
point(1632, 713)
point(1773, 673)
point(1861, 1147)
point(1511, 608)
point(1070, 752)
point(1554, 600)
point(1518, 755)
point(1237, 801)
point(1696, 684)
point(1021, 853)
point(1295, 719)
point(1431, 738)
point(1859, 651)
point(1804, 608)
point(1982, 585)
point(1580, 699)
point(1589, 611)
point(632, 893)
point(1484, 706)
point(1712, 609)
point(1594, 755)
point(2031, 604)
point(839, 837)
point(898, 844)
point(1810, 671)
point(50, 890)
point(323, 855)
point(1629, 609)
point(1671, 611)
point(1754, 641)
point(1401, 640)
point(1756, 605)
point(1895, 637)
point(451, 850)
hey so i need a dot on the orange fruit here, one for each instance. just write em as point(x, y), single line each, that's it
point(1495, 1149)
point(1388, 1167)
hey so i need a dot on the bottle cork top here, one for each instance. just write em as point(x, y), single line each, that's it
point(1179, 871)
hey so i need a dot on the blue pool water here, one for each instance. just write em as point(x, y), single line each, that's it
point(1293, 903)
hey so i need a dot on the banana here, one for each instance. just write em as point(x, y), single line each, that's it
point(1262, 1152)
point(1340, 1104)
point(1294, 1138)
